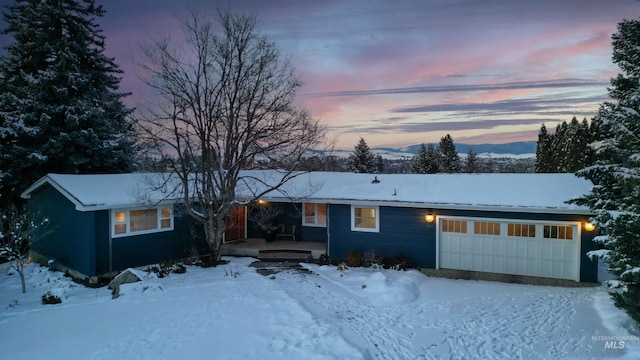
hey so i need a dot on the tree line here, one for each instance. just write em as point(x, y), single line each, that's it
point(568, 149)
point(430, 159)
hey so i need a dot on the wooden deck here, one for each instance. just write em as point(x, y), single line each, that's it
point(260, 248)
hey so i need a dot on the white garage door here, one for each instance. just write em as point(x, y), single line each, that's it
point(545, 249)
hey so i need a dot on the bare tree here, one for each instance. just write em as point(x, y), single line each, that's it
point(264, 214)
point(225, 102)
point(16, 233)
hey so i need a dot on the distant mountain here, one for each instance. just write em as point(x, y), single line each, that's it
point(514, 148)
point(521, 149)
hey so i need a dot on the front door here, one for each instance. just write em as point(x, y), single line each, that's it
point(236, 224)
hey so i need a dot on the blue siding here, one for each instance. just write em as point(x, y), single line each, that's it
point(313, 233)
point(140, 250)
point(80, 240)
point(102, 241)
point(69, 237)
point(402, 230)
point(588, 267)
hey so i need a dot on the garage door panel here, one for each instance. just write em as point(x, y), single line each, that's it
point(521, 266)
point(548, 250)
point(511, 249)
point(533, 268)
point(519, 255)
point(534, 249)
point(498, 264)
point(477, 261)
point(510, 265)
point(548, 267)
point(521, 248)
point(498, 245)
point(466, 244)
point(465, 261)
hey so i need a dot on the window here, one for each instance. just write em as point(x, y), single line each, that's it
point(486, 228)
point(120, 222)
point(521, 230)
point(365, 218)
point(455, 226)
point(142, 221)
point(559, 232)
point(315, 214)
point(165, 218)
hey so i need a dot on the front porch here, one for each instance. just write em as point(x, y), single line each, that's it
point(279, 249)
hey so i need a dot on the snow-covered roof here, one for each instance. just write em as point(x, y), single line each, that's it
point(500, 192)
point(91, 192)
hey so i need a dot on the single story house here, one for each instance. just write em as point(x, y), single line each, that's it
point(517, 224)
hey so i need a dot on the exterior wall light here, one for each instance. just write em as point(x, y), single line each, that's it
point(429, 218)
point(589, 226)
point(261, 202)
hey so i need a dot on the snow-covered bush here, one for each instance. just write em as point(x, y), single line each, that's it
point(354, 258)
point(399, 262)
point(166, 267)
point(372, 260)
point(50, 298)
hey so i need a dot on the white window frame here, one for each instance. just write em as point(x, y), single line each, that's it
point(315, 220)
point(127, 222)
point(363, 229)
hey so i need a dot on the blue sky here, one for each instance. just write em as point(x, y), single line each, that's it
point(406, 72)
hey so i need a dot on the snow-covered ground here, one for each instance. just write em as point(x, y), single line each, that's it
point(232, 312)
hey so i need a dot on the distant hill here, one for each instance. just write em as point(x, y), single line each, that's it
point(522, 149)
point(514, 148)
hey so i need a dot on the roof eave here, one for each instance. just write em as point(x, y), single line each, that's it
point(151, 204)
point(444, 206)
point(48, 180)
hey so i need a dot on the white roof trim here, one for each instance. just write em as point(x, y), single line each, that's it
point(79, 196)
point(48, 180)
point(441, 206)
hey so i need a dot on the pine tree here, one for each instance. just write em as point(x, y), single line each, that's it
point(575, 146)
point(60, 109)
point(362, 160)
point(432, 165)
point(426, 161)
point(615, 197)
point(379, 163)
point(567, 150)
point(544, 152)
point(419, 161)
point(586, 135)
point(471, 163)
point(570, 160)
point(449, 158)
point(558, 144)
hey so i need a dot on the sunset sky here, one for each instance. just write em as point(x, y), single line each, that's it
point(406, 72)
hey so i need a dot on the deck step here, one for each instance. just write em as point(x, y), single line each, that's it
point(270, 267)
point(284, 255)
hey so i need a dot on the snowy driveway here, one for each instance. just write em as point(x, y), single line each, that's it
point(405, 315)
